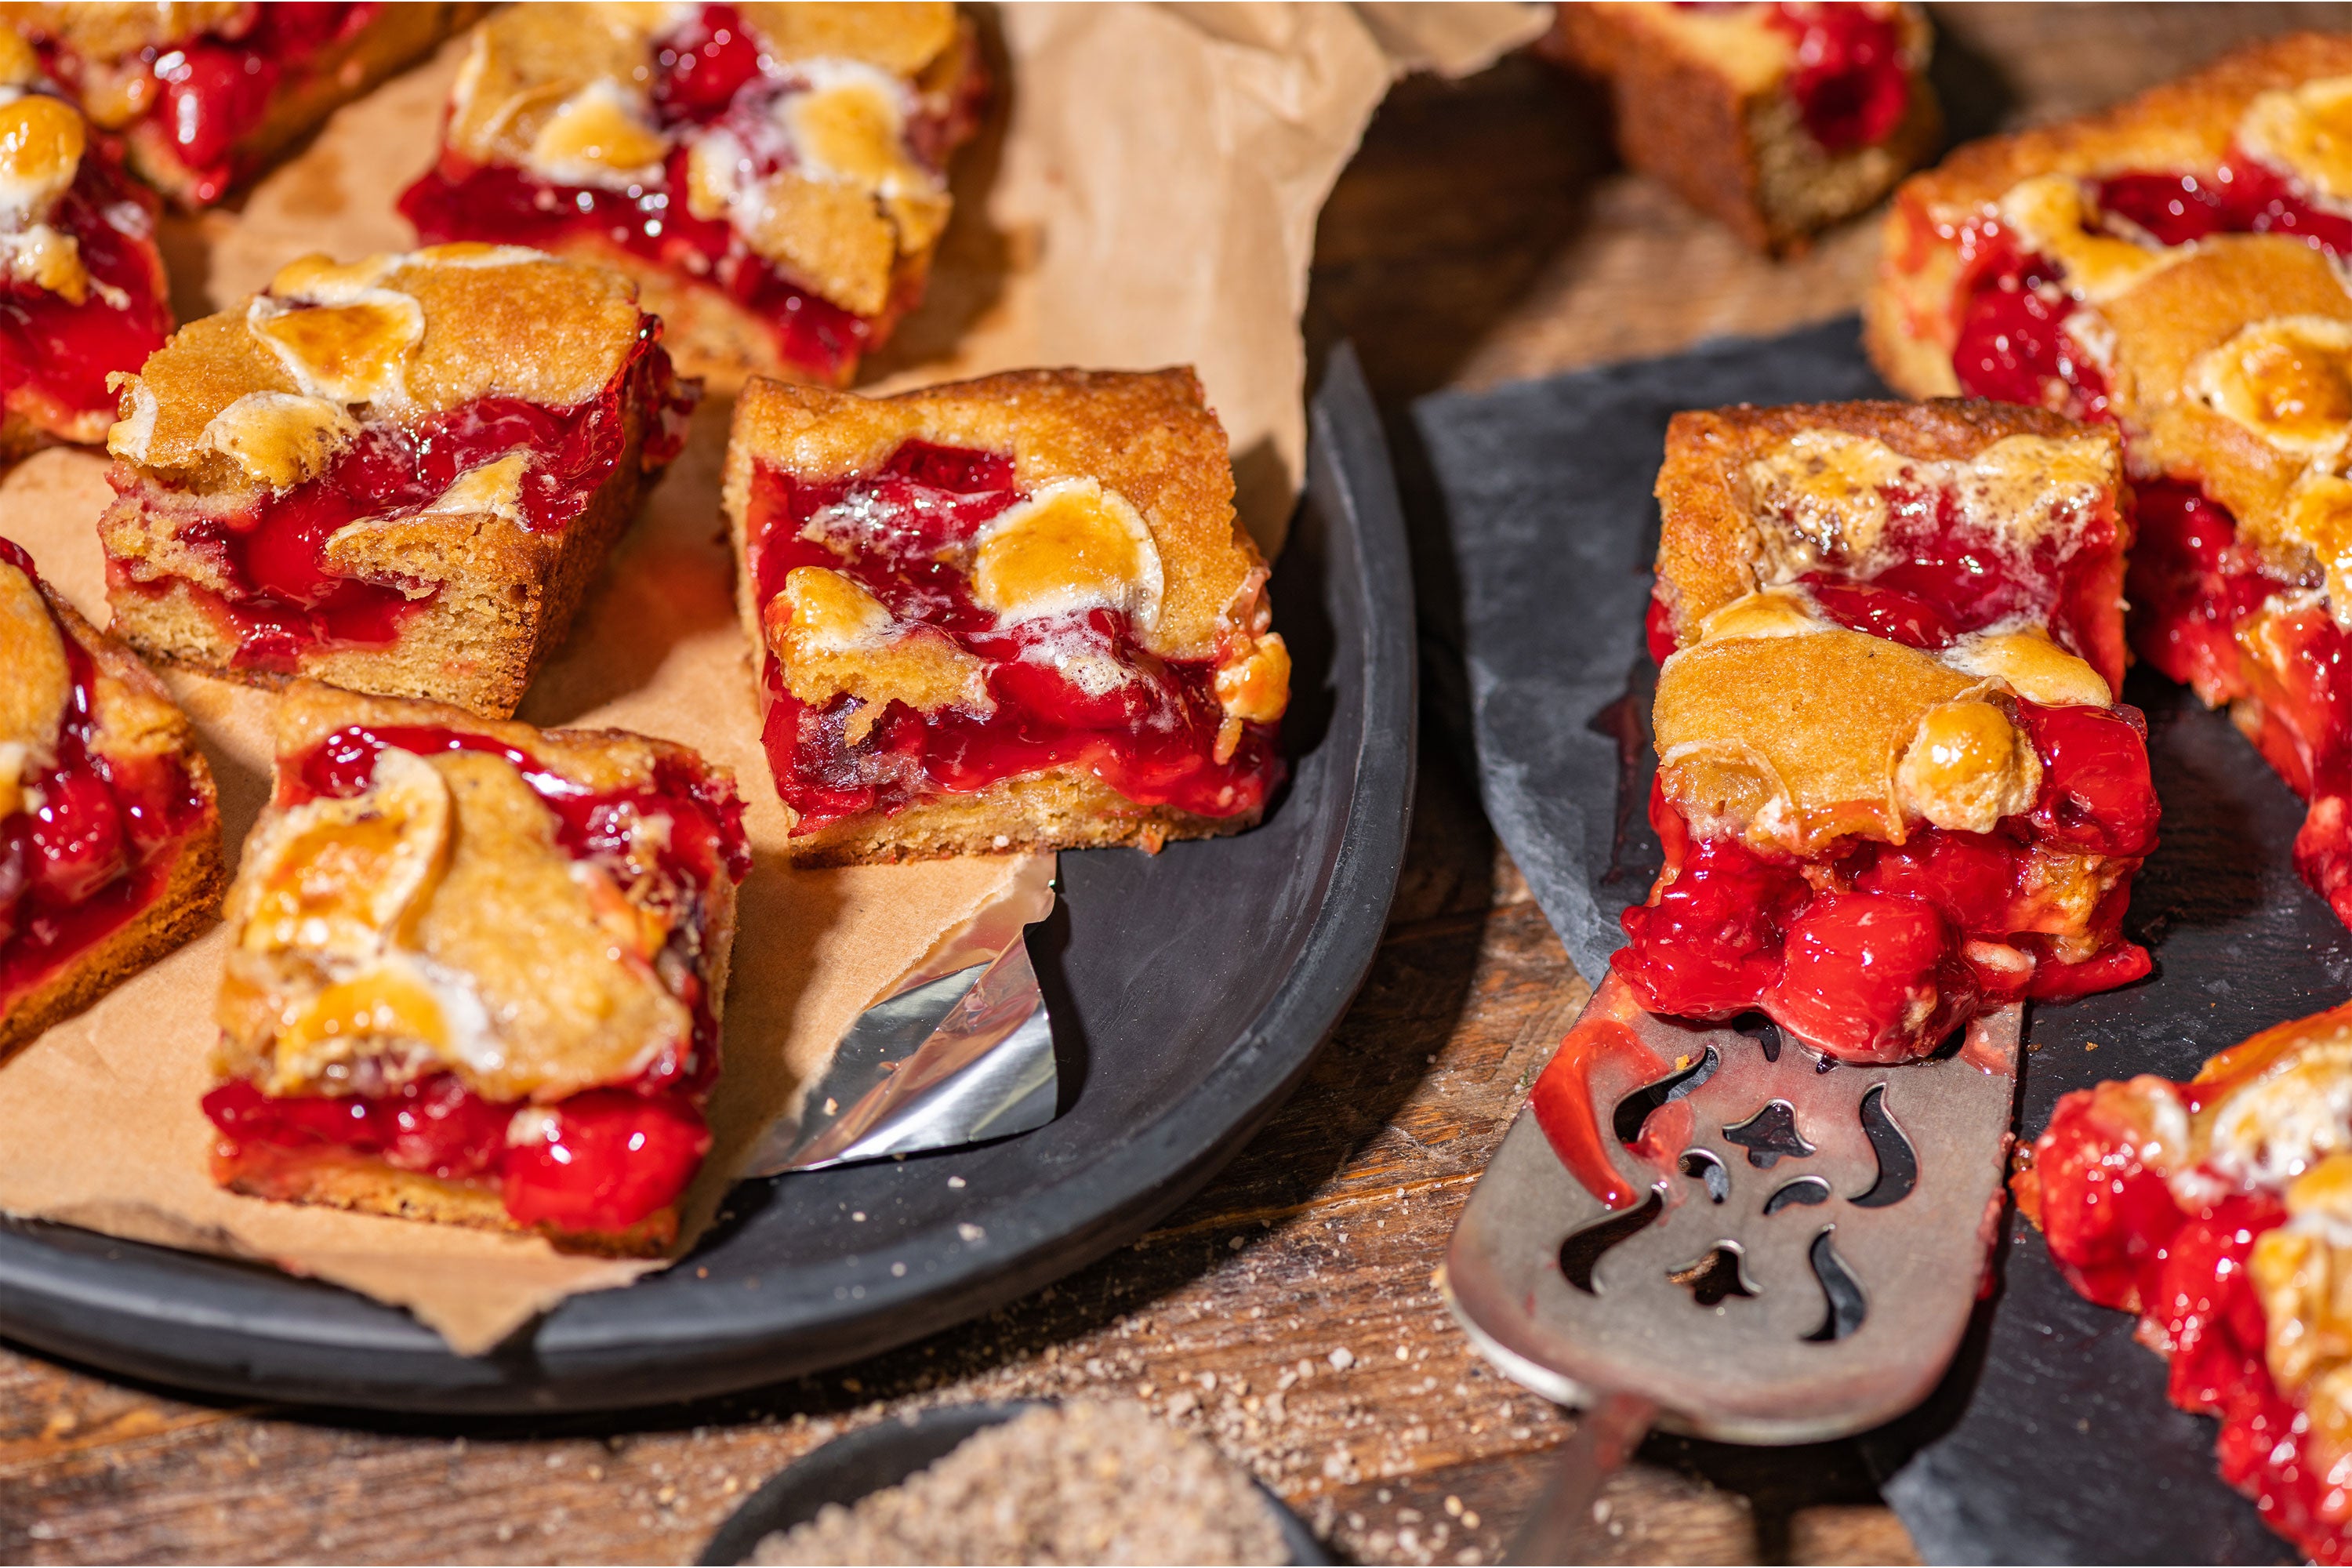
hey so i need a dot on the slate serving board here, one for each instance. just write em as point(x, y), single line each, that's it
point(2051, 1440)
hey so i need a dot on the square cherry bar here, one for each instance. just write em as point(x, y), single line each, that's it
point(2216, 1211)
point(1775, 119)
point(773, 175)
point(1895, 788)
point(1012, 613)
point(398, 475)
point(477, 972)
point(85, 291)
point(2175, 266)
point(207, 95)
point(110, 830)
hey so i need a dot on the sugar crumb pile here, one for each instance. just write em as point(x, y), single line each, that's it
point(1077, 1483)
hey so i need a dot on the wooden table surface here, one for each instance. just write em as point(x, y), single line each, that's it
point(1287, 1313)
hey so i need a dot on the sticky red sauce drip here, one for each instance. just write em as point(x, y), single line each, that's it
point(2201, 614)
point(287, 599)
point(211, 90)
point(612, 1155)
point(102, 846)
point(57, 354)
point(1865, 951)
point(1849, 82)
point(708, 73)
point(1152, 739)
point(1601, 1059)
point(2123, 1239)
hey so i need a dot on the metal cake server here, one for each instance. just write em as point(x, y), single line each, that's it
point(1717, 1230)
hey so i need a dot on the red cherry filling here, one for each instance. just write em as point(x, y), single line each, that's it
point(1876, 951)
point(1152, 736)
point(601, 1160)
point(55, 355)
point(98, 845)
point(2124, 1239)
point(211, 90)
point(287, 599)
point(709, 71)
point(1851, 89)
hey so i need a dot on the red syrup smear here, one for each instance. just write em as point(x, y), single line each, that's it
point(1600, 1060)
point(59, 353)
point(2198, 595)
point(1152, 739)
point(2124, 1240)
point(707, 75)
point(1849, 82)
point(612, 1155)
point(102, 846)
point(1863, 950)
point(287, 600)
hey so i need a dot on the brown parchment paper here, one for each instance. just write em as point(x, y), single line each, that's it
point(1145, 194)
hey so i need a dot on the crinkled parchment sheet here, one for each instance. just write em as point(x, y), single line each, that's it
point(1145, 195)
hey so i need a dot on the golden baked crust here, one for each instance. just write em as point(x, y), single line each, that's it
point(847, 209)
point(1147, 436)
point(1710, 551)
point(105, 52)
point(1060, 808)
point(136, 717)
point(2186, 125)
point(1699, 104)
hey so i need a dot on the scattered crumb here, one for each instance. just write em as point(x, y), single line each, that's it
point(1343, 1358)
point(1077, 1483)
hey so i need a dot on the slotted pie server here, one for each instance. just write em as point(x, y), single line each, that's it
point(1717, 1230)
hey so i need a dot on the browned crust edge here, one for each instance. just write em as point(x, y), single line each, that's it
point(363, 1185)
point(1705, 536)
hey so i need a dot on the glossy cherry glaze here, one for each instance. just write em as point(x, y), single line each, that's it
point(211, 90)
point(2124, 1241)
point(1153, 738)
point(708, 73)
point(1875, 951)
point(287, 599)
point(2207, 610)
point(1849, 81)
point(101, 843)
point(57, 355)
point(2010, 308)
point(610, 1156)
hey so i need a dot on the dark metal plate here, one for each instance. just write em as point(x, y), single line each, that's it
point(2051, 1439)
point(886, 1453)
point(1188, 992)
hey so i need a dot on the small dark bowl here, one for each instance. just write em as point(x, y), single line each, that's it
point(886, 1453)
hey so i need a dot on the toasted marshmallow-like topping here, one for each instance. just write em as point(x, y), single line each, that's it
point(51, 260)
point(343, 877)
point(600, 137)
point(1773, 613)
point(279, 438)
point(32, 696)
point(1072, 546)
point(2030, 663)
point(19, 66)
point(2049, 215)
point(2319, 515)
point(832, 637)
point(1967, 767)
point(1255, 686)
point(495, 487)
point(850, 128)
point(2288, 1117)
point(2306, 131)
point(41, 143)
point(1827, 491)
point(350, 352)
point(2288, 379)
point(388, 999)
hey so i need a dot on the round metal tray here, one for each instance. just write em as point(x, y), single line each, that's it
point(1189, 990)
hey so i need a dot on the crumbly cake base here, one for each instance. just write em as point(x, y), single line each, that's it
point(331, 1179)
point(394, 37)
point(189, 902)
point(506, 605)
point(1062, 808)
